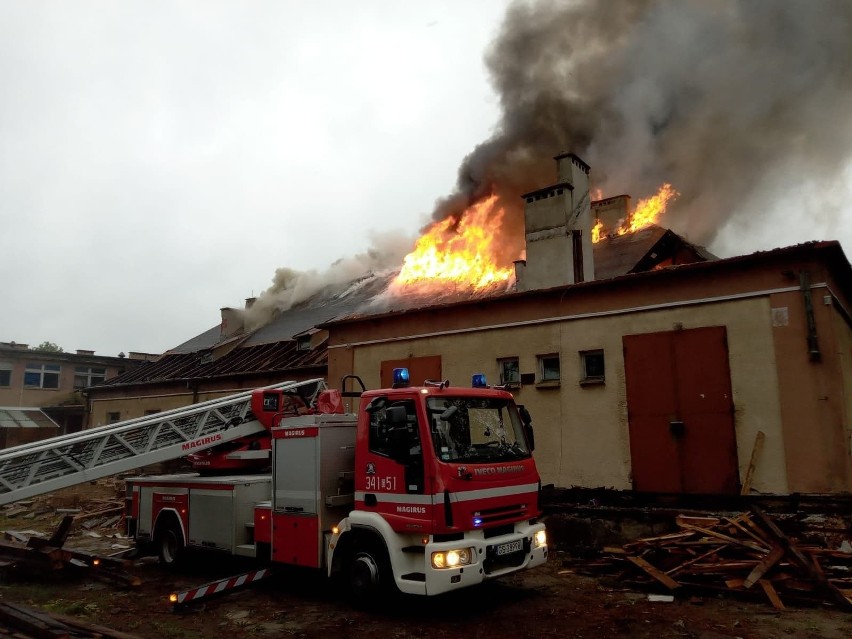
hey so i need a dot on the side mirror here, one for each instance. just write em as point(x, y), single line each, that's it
point(526, 420)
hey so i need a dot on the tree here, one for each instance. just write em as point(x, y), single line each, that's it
point(49, 347)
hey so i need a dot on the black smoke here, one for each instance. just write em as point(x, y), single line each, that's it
point(740, 104)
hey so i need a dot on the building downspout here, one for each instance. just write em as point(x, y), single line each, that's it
point(813, 344)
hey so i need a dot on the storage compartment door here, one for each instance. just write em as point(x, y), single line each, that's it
point(295, 476)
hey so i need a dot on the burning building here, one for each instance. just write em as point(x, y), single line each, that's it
point(647, 363)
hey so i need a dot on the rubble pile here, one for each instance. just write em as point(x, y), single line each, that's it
point(744, 555)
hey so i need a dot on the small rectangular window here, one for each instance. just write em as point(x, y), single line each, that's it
point(112, 418)
point(548, 366)
point(5, 373)
point(593, 369)
point(152, 411)
point(510, 370)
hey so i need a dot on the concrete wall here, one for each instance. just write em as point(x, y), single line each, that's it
point(582, 434)
point(18, 395)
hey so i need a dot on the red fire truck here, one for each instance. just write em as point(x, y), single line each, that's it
point(427, 489)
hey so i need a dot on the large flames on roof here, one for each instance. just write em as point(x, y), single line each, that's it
point(464, 250)
point(460, 250)
point(647, 212)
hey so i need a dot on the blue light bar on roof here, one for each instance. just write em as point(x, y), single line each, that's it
point(400, 377)
point(478, 381)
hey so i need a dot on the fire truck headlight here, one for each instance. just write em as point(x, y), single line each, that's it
point(452, 558)
point(540, 538)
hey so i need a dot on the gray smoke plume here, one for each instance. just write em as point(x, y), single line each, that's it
point(290, 287)
point(731, 101)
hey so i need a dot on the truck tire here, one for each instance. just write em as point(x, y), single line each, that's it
point(369, 574)
point(169, 543)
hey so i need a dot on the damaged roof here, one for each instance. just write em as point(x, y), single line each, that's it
point(274, 348)
point(271, 357)
point(644, 250)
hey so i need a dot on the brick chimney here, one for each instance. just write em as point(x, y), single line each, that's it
point(612, 212)
point(558, 229)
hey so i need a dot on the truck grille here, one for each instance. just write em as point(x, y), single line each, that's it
point(502, 513)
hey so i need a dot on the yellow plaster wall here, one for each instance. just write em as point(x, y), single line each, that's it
point(582, 435)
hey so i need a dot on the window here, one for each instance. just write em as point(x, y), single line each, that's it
point(39, 375)
point(593, 367)
point(548, 368)
point(85, 376)
point(476, 430)
point(5, 373)
point(303, 343)
point(152, 411)
point(510, 370)
point(379, 438)
point(112, 418)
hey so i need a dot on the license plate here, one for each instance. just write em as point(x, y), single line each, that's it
point(509, 547)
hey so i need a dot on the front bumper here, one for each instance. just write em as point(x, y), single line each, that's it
point(486, 562)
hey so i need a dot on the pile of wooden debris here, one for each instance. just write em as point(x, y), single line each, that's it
point(75, 530)
point(746, 555)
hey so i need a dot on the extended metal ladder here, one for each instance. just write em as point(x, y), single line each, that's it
point(40, 467)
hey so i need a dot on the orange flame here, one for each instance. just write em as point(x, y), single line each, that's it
point(463, 253)
point(647, 212)
point(596, 232)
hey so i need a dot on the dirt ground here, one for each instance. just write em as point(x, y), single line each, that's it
point(546, 602)
point(551, 601)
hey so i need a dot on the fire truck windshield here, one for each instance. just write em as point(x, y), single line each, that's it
point(476, 430)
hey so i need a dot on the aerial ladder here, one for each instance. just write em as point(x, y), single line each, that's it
point(51, 464)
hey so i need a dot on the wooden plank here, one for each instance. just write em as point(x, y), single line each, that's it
point(614, 550)
point(752, 465)
point(769, 589)
point(709, 553)
point(726, 538)
point(99, 513)
point(660, 576)
point(830, 590)
point(737, 523)
point(691, 520)
point(98, 630)
point(652, 540)
point(20, 618)
point(760, 569)
point(757, 530)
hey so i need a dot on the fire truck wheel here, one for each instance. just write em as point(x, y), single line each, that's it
point(369, 573)
point(169, 542)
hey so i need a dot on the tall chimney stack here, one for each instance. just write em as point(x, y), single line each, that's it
point(558, 225)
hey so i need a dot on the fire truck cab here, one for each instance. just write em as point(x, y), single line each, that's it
point(446, 490)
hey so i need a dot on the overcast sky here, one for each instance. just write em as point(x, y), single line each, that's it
point(159, 160)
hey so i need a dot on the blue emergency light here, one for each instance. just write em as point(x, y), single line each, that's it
point(400, 377)
point(478, 381)
point(477, 521)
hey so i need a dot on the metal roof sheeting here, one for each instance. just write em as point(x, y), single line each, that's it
point(245, 360)
point(16, 417)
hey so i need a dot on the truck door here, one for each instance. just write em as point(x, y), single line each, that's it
point(393, 479)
